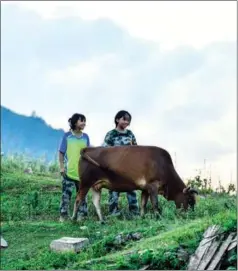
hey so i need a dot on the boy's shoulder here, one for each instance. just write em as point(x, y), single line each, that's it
point(112, 132)
point(69, 133)
point(115, 132)
point(85, 135)
point(129, 132)
point(66, 134)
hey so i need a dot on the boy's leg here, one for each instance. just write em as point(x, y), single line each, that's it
point(133, 204)
point(113, 202)
point(67, 188)
point(83, 208)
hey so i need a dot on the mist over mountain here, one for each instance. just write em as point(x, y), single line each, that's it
point(30, 135)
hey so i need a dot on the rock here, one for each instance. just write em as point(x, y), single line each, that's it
point(69, 244)
point(83, 228)
point(133, 236)
point(28, 171)
point(182, 255)
point(3, 243)
point(119, 239)
point(212, 249)
point(136, 236)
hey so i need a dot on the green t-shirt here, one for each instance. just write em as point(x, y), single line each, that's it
point(71, 146)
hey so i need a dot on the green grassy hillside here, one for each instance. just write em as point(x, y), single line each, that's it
point(29, 222)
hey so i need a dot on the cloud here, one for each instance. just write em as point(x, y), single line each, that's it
point(182, 99)
point(170, 23)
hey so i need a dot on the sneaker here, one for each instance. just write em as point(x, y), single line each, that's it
point(134, 213)
point(115, 213)
point(81, 217)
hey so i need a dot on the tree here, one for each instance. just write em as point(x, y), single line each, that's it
point(33, 114)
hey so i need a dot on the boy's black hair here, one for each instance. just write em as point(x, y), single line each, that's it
point(122, 114)
point(73, 120)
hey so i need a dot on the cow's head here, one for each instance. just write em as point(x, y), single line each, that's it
point(190, 197)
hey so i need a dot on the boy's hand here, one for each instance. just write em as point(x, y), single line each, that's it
point(62, 172)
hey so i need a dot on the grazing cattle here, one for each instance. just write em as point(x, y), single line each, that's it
point(126, 168)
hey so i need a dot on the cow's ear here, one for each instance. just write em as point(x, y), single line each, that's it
point(186, 189)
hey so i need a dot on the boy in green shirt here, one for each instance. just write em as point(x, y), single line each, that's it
point(69, 154)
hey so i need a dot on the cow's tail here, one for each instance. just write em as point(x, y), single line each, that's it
point(85, 156)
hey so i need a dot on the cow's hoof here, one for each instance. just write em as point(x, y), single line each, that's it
point(74, 218)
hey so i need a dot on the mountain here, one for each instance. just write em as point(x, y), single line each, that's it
point(30, 135)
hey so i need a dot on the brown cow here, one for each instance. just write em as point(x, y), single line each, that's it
point(127, 168)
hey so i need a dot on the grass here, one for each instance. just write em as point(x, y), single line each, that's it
point(29, 222)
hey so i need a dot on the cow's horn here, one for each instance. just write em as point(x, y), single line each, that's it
point(192, 190)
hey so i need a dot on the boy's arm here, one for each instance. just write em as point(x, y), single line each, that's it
point(133, 142)
point(62, 151)
point(88, 142)
point(61, 162)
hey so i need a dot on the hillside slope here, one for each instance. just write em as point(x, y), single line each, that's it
point(30, 229)
point(30, 135)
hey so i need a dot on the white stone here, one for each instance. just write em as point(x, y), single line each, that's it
point(3, 243)
point(83, 228)
point(69, 244)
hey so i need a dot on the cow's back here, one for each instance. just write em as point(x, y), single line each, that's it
point(134, 162)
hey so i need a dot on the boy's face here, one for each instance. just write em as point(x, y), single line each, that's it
point(124, 122)
point(80, 124)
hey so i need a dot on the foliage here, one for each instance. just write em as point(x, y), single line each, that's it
point(204, 186)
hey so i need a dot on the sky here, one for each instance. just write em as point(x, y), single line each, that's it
point(172, 65)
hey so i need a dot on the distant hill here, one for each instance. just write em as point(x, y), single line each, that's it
point(30, 135)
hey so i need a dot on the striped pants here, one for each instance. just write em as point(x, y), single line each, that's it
point(67, 188)
point(132, 201)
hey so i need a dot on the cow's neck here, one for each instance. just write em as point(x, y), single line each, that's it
point(175, 191)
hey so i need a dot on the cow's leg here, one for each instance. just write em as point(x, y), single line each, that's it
point(96, 196)
point(144, 200)
point(80, 198)
point(153, 192)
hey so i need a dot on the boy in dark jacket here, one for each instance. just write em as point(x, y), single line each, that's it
point(118, 137)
